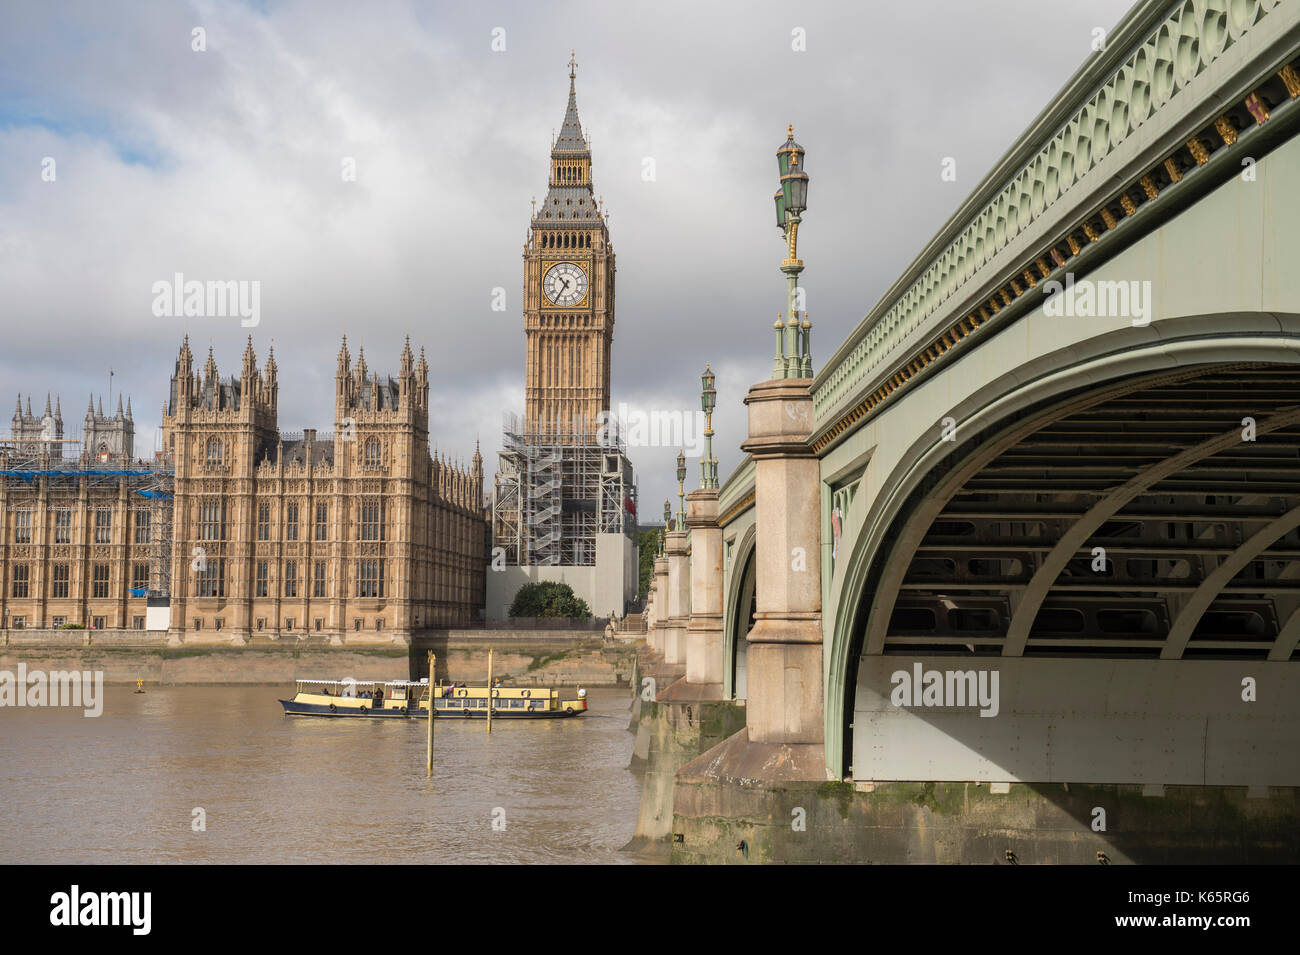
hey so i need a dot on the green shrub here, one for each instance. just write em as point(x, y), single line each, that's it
point(548, 599)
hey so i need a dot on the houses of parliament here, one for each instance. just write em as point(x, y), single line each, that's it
point(234, 530)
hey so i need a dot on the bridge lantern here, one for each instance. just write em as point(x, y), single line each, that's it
point(779, 198)
point(709, 396)
point(794, 181)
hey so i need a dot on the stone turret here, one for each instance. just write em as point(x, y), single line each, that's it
point(107, 439)
point(39, 432)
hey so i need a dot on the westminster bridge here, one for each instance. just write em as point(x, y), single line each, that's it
point(1016, 575)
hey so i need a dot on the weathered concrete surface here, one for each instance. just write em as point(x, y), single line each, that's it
point(724, 818)
point(671, 734)
point(784, 660)
point(653, 675)
point(212, 664)
point(704, 663)
point(529, 662)
point(548, 659)
point(677, 597)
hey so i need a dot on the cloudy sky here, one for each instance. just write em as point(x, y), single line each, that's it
point(227, 164)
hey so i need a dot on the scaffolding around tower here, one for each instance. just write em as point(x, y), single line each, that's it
point(557, 491)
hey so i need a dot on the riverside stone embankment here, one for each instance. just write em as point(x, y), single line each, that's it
point(550, 657)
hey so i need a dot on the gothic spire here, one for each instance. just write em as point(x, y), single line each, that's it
point(571, 142)
point(210, 367)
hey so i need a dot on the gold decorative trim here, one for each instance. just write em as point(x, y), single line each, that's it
point(738, 508)
point(1291, 79)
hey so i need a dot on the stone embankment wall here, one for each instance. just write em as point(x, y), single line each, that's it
point(526, 658)
point(668, 736)
point(552, 658)
point(747, 821)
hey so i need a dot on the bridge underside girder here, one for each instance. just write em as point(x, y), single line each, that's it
point(1161, 522)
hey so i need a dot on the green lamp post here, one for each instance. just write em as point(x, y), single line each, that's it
point(708, 401)
point(681, 490)
point(793, 357)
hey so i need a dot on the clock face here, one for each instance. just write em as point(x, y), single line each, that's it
point(565, 284)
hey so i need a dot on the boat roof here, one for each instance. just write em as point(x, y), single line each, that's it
point(351, 682)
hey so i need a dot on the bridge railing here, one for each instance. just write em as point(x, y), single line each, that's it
point(1162, 72)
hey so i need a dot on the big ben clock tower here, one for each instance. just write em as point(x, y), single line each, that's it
point(568, 294)
point(564, 501)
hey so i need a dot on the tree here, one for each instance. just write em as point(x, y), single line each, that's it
point(548, 599)
point(649, 547)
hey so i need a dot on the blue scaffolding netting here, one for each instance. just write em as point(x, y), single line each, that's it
point(27, 475)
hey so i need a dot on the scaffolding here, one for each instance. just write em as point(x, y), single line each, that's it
point(150, 489)
point(557, 490)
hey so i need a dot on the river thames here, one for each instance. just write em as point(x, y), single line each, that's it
point(125, 787)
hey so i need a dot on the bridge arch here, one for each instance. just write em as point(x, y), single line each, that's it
point(881, 540)
point(739, 615)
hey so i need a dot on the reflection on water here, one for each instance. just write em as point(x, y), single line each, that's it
point(123, 787)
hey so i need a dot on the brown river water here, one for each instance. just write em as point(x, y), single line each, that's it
point(123, 787)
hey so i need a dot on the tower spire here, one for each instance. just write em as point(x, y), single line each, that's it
point(571, 142)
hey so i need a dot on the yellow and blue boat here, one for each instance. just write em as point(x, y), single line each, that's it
point(400, 699)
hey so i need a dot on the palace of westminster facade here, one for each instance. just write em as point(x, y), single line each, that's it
point(245, 531)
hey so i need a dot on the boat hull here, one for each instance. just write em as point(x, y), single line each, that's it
point(293, 708)
point(463, 715)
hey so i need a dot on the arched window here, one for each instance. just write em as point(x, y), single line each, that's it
point(372, 453)
point(214, 451)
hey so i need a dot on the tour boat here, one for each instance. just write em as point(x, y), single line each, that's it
point(508, 703)
point(398, 699)
point(391, 699)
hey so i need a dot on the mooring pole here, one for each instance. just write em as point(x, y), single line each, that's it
point(428, 750)
point(489, 690)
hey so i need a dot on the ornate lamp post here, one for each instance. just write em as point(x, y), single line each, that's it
point(708, 401)
point(668, 521)
point(793, 357)
point(681, 490)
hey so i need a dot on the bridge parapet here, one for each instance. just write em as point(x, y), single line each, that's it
point(1176, 85)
